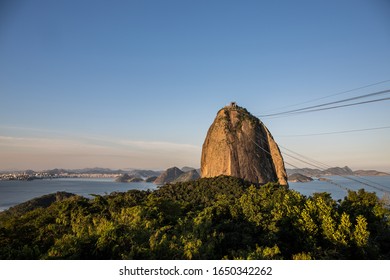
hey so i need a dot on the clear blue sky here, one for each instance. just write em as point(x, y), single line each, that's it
point(137, 83)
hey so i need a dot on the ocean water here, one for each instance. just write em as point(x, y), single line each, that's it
point(378, 184)
point(15, 192)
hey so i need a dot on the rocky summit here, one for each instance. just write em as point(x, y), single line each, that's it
point(239, 144)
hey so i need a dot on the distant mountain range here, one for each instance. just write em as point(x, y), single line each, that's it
point(96, 170)
point(175, 175)
point(333, 171)
point(171, 175)
point(144, 173)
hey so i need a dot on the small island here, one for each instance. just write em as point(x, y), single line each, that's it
point(299, 178)
point(126, 178)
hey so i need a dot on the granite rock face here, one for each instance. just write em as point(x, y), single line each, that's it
point(239, 144)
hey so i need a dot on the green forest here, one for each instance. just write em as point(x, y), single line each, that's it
point(210, 218)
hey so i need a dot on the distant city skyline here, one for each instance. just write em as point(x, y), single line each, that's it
point(136, 84)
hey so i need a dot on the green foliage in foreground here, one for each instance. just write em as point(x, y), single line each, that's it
point(216, 218)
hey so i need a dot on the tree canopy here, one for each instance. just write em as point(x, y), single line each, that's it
point(211, 218)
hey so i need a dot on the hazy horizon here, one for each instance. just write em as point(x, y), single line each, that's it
point(163, 169)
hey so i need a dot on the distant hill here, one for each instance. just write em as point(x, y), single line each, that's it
point(370, 173)
point(56, 171)
point(169, 175)
point(136, 180)
point(144, 173)
point(151, 179)
point(187, 176)
point(333, 171)
point(175, 175)
point(339, 171)
point(187, 168)
point(96, 170)
point(123, 178)
point(42, 201)
point(126, 178)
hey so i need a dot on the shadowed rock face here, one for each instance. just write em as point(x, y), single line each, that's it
point(239, 144)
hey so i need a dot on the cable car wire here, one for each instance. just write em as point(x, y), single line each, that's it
point(335, 94)
point(337, 132)
point(315, 108)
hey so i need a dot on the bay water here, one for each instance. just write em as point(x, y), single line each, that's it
point(15, 192)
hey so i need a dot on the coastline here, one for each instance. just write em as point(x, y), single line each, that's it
point(16, 192)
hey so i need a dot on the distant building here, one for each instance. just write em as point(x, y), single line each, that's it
point(233, 104)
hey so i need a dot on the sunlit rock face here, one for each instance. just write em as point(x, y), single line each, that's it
point(239, 144)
